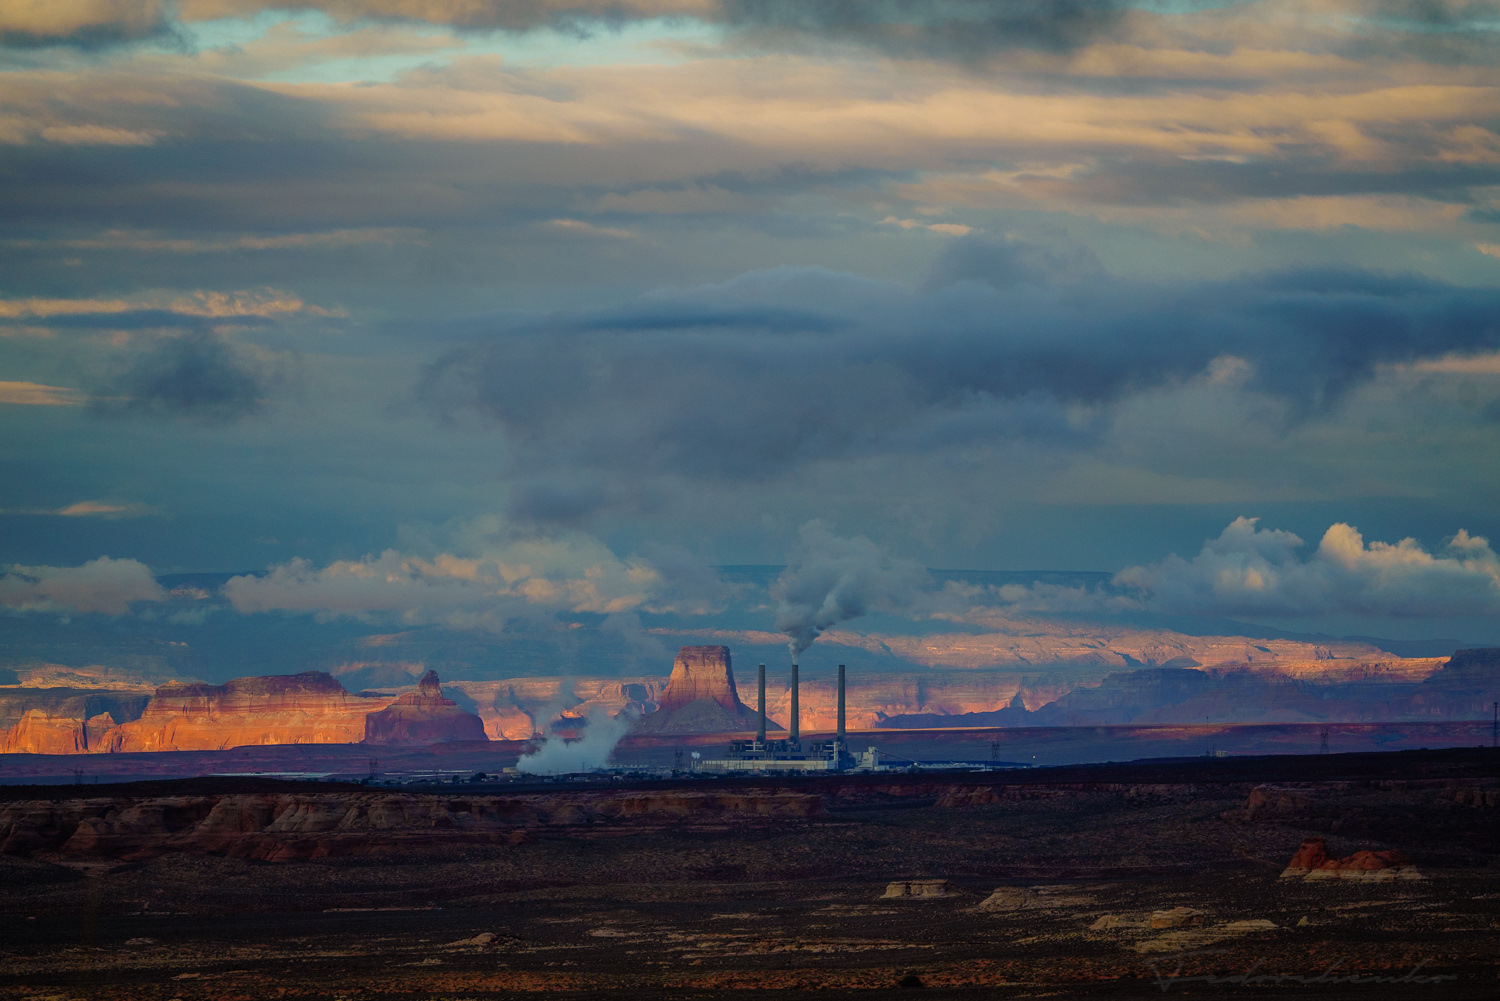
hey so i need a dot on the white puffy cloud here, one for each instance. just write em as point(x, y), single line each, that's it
point(104, 585)
point(1252, 571)
point(501, 580)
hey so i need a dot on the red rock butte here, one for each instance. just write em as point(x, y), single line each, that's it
point(701, 672)
point(424, 716)
point(700, 696)
point(1312, 861)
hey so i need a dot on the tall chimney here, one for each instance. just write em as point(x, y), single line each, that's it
point(796, 728)
point(841, 703)
point(760, 730)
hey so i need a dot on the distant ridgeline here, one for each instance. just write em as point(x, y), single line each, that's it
point(701, 696)
point(307, 708)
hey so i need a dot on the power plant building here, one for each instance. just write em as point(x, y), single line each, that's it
point(762, 755)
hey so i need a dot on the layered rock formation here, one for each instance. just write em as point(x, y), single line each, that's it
point(40, 732)
point(424, 716)
point(1313, 862)
point(701, 672)
point(285, 826)
point(1354, 693)
point(1032, 642)
point(307, 708)
point(62, 720)
point(1464, 687)
point(919, 889)
point(700, 696)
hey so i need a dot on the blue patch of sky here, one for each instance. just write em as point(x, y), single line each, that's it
point(656, 42)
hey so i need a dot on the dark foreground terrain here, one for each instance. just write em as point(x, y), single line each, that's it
point(254, 889)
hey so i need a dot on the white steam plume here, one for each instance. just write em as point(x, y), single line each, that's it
point(832, 579)
point(558, 756)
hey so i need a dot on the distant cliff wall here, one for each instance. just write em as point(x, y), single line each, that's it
point(307, 708)
point(62, 720)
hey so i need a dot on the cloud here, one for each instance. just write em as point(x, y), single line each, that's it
point(1161, 119)
point(196, 375)
point(102, 509)
point(35, 394)
point(1006, 343)
point(96, 135)
point(589, 229)
point(512, 15)
point(925, 28)
point(87, 509)
point(107, 586)
point(1252, 571)
point(266, 299)
point(84, 24)
point(162, 309)
point(945, 228)
point(506, 576)
point(929, 28)
point(830, 580)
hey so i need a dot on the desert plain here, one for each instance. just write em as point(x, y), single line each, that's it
point(1116, 880)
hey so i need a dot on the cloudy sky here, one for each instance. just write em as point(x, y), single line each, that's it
point(468, 312)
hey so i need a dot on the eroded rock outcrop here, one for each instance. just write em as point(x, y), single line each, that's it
point(918, 889)
point(424, 716)
point(1313, 862)
point(1176, 917)
point(700, 696)
point(1273, 800)
point(307, 708)
point(284, 826)
point(1370, 866)
point(1310, 855)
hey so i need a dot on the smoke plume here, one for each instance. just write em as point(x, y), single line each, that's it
point(831, 580)
point(558, 756)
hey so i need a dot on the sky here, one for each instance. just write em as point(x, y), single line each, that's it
point(446, 313)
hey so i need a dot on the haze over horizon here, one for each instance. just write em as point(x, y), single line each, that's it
point(521, 325)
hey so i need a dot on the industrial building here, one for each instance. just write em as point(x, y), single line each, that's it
point(762, 755)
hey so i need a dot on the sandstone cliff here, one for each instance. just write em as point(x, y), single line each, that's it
point(1462, 688)
point(40, 732)
point(700, 696)
point(307, 708)
point(62, 720)
point(424, 716)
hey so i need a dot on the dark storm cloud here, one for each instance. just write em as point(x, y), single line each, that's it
point(1439, 31)
point(990, 351)
point(197, 375)
point(963, 29)
point(943, 28)
point(84, 25)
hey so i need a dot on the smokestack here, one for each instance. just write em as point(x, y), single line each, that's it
point(796, 728)
point(760, 730)
point(841, 703)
